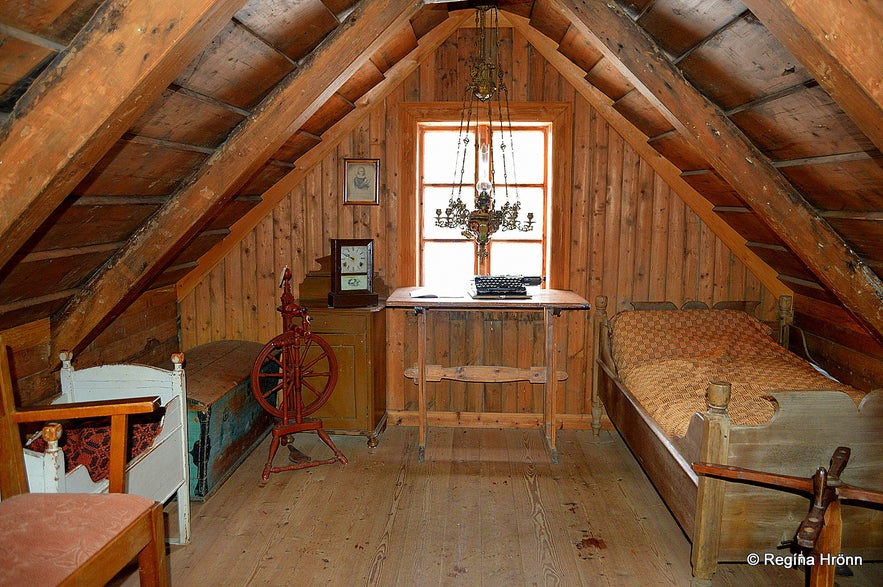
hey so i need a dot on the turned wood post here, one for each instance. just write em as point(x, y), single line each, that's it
point(53, 457)
point(599, 322)
point(785, 318)
point(710, 495)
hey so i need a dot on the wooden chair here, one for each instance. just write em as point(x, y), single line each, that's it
point(73, 539)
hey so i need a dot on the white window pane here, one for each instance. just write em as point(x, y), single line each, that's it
point(438, 199)
point(441, 163)
point(529, 157)
point(531, 202)
point(448, 266)
point(516, 258)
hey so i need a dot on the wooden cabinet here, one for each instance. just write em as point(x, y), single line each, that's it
point(358, 337)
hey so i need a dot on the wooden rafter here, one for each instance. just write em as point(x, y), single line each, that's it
point(113, 70)
point(330, 139)
point(839, 43)
point(282, 112)
point(733, 156)
point(638, 141)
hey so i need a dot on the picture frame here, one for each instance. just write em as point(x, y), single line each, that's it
point(361, 182)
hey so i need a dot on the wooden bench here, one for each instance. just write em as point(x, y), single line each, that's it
point(224, 421)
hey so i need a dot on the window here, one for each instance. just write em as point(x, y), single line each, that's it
point(554, 119)
point(447, 257)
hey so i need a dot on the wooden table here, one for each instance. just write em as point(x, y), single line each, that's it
point(548, 301)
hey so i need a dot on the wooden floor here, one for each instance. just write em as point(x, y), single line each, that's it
point(485, 509)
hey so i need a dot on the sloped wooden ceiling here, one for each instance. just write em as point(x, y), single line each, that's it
point(138, 133)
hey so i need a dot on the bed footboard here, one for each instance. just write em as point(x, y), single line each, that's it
point(802, 436)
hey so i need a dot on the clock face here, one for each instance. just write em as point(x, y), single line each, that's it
point(354, 259)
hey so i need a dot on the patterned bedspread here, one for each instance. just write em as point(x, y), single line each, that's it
point(667, 357)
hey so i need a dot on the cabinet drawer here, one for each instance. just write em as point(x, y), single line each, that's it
point(338, 321)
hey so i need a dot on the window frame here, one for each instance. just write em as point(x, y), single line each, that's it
point(482, 266)
point(557, 114)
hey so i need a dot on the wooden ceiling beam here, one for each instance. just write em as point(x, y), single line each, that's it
point(733, 156)
point(252, 143)
point(331, 138)
point(839, 44)
point(120, 62)
point(665, 168)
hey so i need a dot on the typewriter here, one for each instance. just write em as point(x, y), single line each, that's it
point(502, 286)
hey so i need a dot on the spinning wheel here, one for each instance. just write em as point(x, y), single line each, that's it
point(292, 377)
point(290, 364)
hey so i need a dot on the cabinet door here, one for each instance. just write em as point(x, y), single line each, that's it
point(347, 408)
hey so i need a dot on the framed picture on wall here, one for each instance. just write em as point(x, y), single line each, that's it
point(361, 182)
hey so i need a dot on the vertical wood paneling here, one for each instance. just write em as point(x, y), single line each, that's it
point(706, 267)
point(631, 239)
point(187, 315)
point(598, 203)
point(659, 242)
point(692, 247)
point(249, 287)
point(265, 258)
point(612, 212)
point(628, 213)
point(580, 219)
point(217, 289)
point(674, 285)
point(643, 227)
point(447, 63)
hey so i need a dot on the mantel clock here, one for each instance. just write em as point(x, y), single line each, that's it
point(352, 273)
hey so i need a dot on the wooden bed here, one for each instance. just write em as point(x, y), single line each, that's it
point(727, 521)
point(160, 471)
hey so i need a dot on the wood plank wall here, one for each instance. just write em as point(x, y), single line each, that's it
point(632, 238)
point(146, 333)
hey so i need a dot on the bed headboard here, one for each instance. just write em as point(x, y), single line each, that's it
point(784, 314)
point(747, 306)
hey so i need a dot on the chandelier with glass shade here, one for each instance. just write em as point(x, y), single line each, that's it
point(486, 100)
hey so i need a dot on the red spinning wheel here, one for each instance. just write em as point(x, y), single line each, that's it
point(292, 377)
point(300, 368)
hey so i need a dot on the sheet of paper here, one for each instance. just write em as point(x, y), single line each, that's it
point(425, 292)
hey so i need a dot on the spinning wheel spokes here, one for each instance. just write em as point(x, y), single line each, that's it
point(290, 363)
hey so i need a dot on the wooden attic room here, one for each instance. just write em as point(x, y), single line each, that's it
point(163, 161)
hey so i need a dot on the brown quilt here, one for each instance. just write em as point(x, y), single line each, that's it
point(666, 358)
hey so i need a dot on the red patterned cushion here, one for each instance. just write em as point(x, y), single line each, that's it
point(87, 442)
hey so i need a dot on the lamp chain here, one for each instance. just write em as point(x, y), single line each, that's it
point(486, 84)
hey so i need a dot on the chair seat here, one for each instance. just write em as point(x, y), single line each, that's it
point(65, 528)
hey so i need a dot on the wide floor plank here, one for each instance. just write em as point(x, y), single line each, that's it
point(486, 508)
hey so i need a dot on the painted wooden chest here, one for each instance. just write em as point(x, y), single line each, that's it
point(224, 421)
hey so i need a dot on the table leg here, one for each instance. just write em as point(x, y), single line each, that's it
point(421, 383)
point(550, 390)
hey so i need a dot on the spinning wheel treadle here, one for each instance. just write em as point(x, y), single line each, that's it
point(292, 377)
